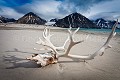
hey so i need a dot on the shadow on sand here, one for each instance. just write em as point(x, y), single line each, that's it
point(18, 62)
point(16, 50)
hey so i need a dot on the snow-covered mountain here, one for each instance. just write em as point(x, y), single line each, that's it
point(54, 20)
point(31, 18)
point(105, 19)
point(102, 23)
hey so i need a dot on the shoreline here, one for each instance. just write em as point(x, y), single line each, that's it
point(54, 29)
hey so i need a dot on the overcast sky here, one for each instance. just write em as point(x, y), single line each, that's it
point(47, 9)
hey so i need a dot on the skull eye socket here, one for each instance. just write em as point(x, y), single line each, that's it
point(36, 60)
point(51, 59)
point(34, 55)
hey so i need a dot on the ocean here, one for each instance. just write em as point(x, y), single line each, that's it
point(99, 30)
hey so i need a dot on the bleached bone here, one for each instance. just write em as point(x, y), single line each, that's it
point(38, 59)
point(42, 59)
point(90, 56)
point(55, 54)
point(46, 36)
point(54, 49)
point(71, 42)
point(101, 50)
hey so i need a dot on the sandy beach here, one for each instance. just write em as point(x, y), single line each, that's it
point(18, 40)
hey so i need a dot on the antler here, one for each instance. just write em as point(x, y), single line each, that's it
point(48, 43)
point(46, 36)
point(72, 42)
point(55, 50)
point(101, 50)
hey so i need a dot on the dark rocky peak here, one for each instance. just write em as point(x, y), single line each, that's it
point(75, 20)
point(31, 18)
point(6, 20)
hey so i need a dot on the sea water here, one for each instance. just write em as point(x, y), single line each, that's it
point(99, 30)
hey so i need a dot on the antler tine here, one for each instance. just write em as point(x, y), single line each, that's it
point(40, 41)
point(113, 33)
point(66, 42)
point(49, 32)
point(49, 35)
point(71, 33)
point(72, 42)
point(69, 30)
point(48, 43)
point(45, 32)
point(75, 33)
point(76, 30)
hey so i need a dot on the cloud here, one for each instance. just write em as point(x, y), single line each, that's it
point(13, 3)
point(106, 15)
point(108, 10)
point(44, 8)
point(48, 9)
point(57, 8)
point(78, 5)
point(2, 2)
point(9, 12)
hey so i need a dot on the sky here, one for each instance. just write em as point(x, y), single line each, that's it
point(48, 9)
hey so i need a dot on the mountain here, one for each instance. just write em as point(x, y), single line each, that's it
point(2, 19)
point(6, 20)
point(31, 18)
point(102, 23)
point(54, 20)
point(75, 20)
